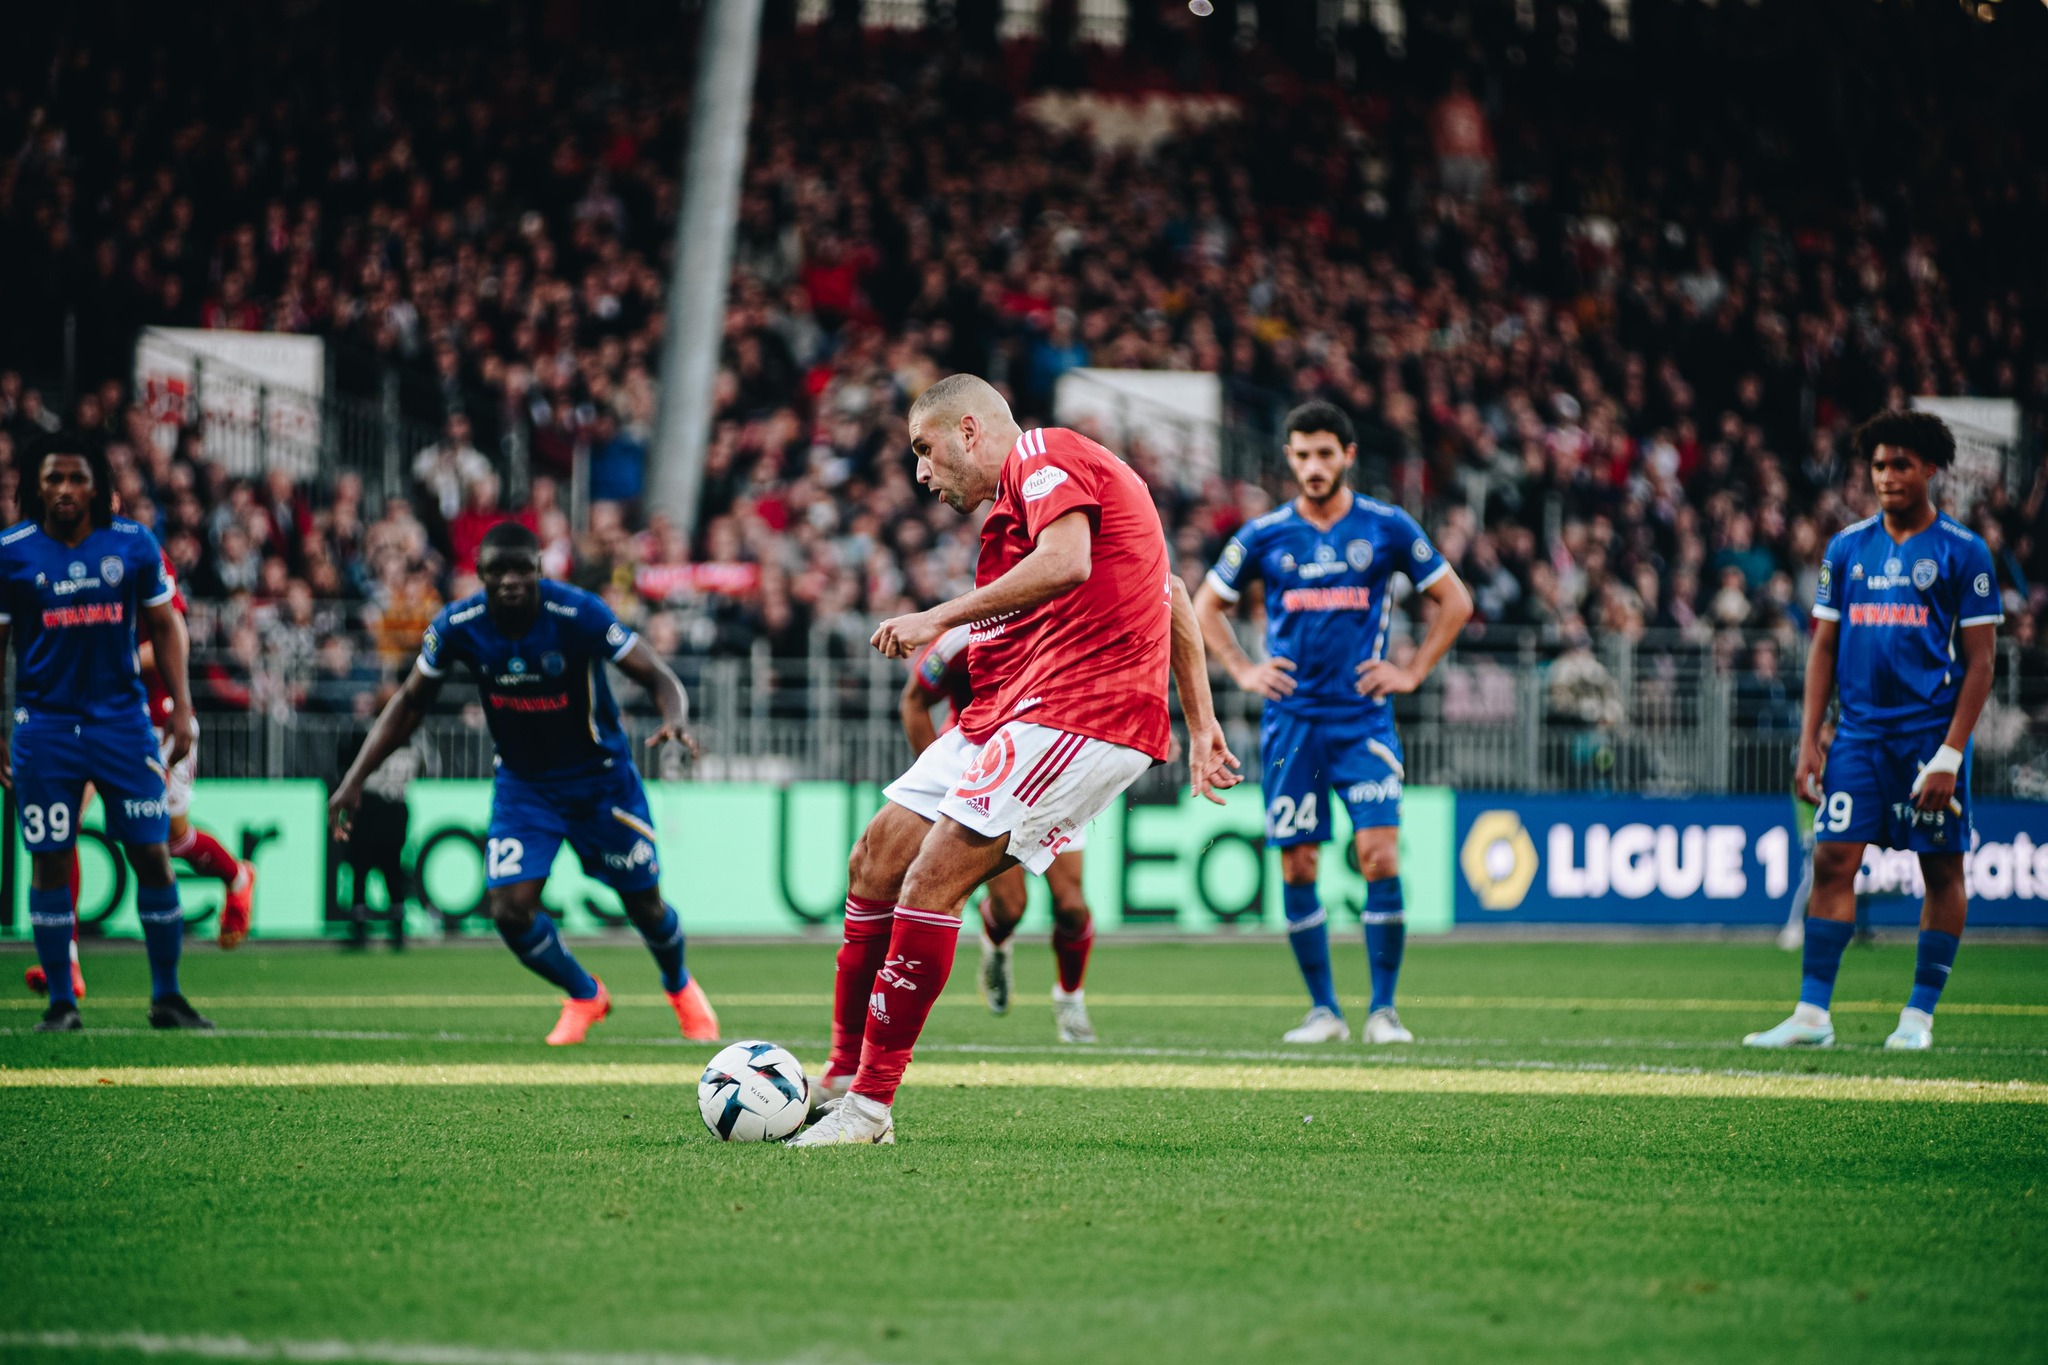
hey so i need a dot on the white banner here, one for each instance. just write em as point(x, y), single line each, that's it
point(257, 393)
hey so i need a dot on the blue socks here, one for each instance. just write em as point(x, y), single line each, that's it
point(1930, 972)
point(1825, 940)
point(1308, 934)
point(49, 919)
point(540, 948)
point(1386, 935)
point(666, 943)
point(163, 934)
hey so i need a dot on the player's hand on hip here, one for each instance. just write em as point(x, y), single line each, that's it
point(899, 635)
point(678, 734)
point(1272, 679)
point(341, 808)
point(1212, 768)
point(1383, 677)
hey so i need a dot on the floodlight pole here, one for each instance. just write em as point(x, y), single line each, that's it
point(713, 165)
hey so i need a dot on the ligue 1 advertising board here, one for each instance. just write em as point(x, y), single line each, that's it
point(758, 859)
point(1730, 860)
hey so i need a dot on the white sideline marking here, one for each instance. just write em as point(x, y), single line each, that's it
point(1303, 1056)
point(818, 1000)
point(374, 1352)
point(1492, 1079)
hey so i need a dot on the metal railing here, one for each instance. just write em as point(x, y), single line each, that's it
point(1671, 717)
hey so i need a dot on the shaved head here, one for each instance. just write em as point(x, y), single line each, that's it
point(961, 431)
point(951, 398)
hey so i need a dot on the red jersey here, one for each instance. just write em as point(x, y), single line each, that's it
point(159, 695)
point(1092, 661)
point(940, 672)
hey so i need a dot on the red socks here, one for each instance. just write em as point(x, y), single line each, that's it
point(860, 957)
point(204, 855)
point(921, 948)
point(1071, 952)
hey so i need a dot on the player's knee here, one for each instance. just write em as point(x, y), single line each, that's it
point(644, 907)
point(152, 863)
point(1377, 862)
point(1298, 865)
point(513, 908)
point(1834, 864)
point(1943, 872)
point(50, 871)
point(1071, 913)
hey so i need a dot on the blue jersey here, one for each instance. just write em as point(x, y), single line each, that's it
point(1326, 595)
point(1900, 606)
point(545, 697)
point(73, 611)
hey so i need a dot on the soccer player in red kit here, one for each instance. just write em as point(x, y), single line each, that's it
point(200, 850)
point(938, 677)
point(1075, 621)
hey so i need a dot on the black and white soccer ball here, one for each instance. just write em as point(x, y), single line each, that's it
point(754, 1092)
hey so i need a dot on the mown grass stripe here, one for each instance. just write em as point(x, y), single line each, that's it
point(1660, 1083)
point(964, 1000)
point(212, 1347)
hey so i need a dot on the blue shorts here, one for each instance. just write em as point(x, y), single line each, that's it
point(1867, 799)
point(604, 818)
point(55, 756)
point(1303, 759)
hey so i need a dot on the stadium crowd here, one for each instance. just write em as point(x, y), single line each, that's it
point(1608, 346)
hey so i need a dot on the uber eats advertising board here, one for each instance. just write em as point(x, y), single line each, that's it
point(762, 859)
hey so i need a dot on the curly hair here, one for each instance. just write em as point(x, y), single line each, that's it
point(1920, 432)
point(28, 466)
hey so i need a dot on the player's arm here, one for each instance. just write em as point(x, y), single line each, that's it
point(1820, 690)
point(395, 726)
point(915, 707)
point(1212, 768)
point(172, 648)
point(1936, 785)
point(1380, 677)
point(1058, 563)
point(6, 750)
point(1270, 679)
point(660, 682)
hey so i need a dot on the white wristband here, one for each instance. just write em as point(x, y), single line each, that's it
point(1945, 760)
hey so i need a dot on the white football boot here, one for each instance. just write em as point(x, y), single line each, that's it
point(827, 1091)
point(856, 1119)
point(995, 979)
point(1793, 936)
point(1808, 1027)
point(1384, 1026)
point(1915, 1032)
point(1321, 1025)
point(1070, 1013)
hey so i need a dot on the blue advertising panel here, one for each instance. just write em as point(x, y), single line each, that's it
point(1707, 860)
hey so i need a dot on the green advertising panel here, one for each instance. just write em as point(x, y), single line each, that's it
point(762, 859)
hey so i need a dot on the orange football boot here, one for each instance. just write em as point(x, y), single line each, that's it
point(36, 981)
point(694, 1013)
point(234, 911)
point(578, 1016)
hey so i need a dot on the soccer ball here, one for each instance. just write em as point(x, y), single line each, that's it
point(754, 1092)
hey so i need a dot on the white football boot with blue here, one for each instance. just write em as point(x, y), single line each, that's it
point(1809, 1026)
point(1915, 1032)
point(1322, 1025)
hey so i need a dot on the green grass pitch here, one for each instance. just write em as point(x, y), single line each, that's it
point(1547, 1211)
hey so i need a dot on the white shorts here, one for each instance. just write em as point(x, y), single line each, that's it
point(178, 776)
point(1038, 785)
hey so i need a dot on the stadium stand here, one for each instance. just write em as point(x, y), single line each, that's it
point(1604, 326)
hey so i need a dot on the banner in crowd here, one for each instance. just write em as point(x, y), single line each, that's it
point(749, 859)
point(760, 859)
point(240, 380)
point(1708, 860)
